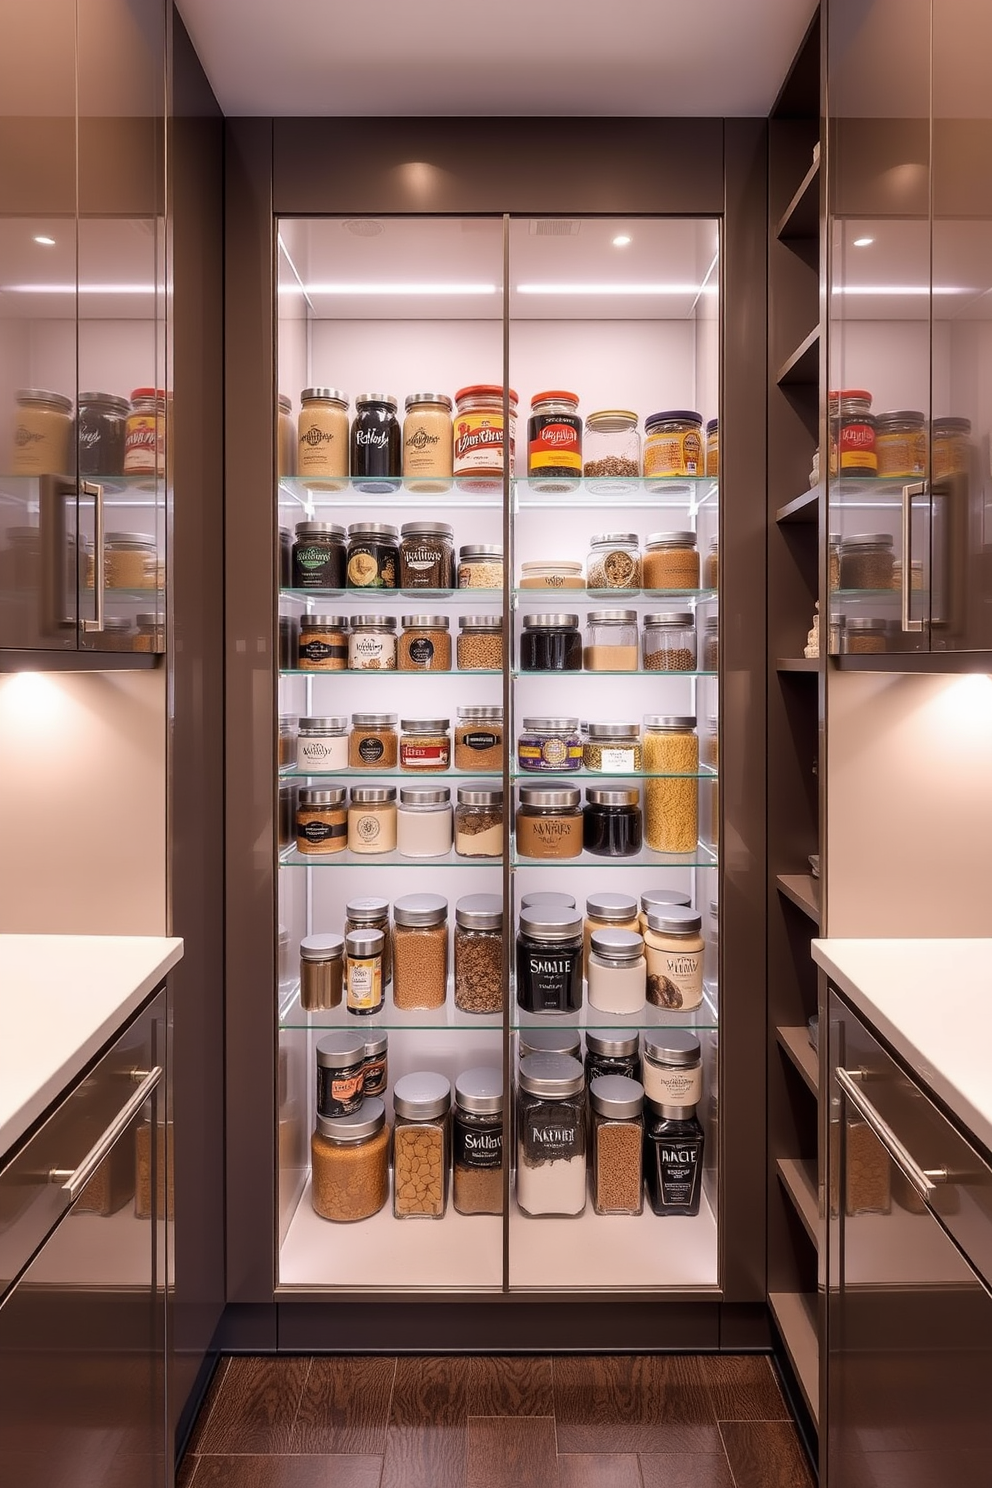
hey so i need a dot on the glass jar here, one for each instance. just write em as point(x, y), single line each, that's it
point(151, 630)
point(372, 819)
point(117, 635)
point(612, 1052)
point(852, 433)
point(711, 565)
point(131, 561)
point(612, 450)
point(363, 971)
point(477, 1141)
point(340, 1073)
point(376, 1063)
point(548, 1041)
point(319, 556)
point(611, 641)
point(321, 820)
point(321, 972)
point(549, 822)
point(546, 897)
point(479, 953)
point(323, 643)
point(373, 555)
point(371, 913)
point(323, 744)
point(425, 645)
point(673, 444)
point(915, 575)
point(866, 561)
point(144, 436)
point(425, 744)
point(480, 566)
point(554, 441)
point(612, 825)
point(674, 949)
point(864, 635)
point(833, 560)
point(424, 823)
point(551, 1135)
point(479, 435)
point(549, 960)
point(287, 742)
point(479, 821)
point(286, 437)
point(101, 427)
point(479, 738)
point(652, 899)
point(376, 445)
point(420, 951)
point(709, 755)
point(672, 1065)
point(711, 644)
point(713, 448)
point(614, 561)
point(372, 643)
point(42, 434)
point(551, 573)
point(550, 643)
point(671, 561)
point(427, 556)
point(950, 447)
point(322, 439)
point(673, 1158)
point(670, 641)
point(350, 1164)
point(372, 743)
point(480, 643)
point(551, 746)
point(901, 445)
point(286, 832)
point(427, 444)
point(613, 748)
point(607, 911)
point(289, 642)
point(671, 806)
point(617, 971)
point(421, 1145)
point(616, 1106)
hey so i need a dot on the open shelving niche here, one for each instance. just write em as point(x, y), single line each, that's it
point(665, 353)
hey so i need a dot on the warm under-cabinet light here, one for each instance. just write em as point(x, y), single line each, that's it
point(609, 289)
point(98, 289)
point(392, 289)
point(900, 289)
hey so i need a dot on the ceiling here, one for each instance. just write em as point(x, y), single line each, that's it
point(635, 58)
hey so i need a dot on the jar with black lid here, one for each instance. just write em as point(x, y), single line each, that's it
point(319, 556)
point(554, 441)
point(376, 445)
point(101, 424)
point(373, 556)
point(551, 643)
point(612, 1052)
point(612, 824)
point(340, 1073)
point(549, 960)
point(427, 556)
point(477, 1141)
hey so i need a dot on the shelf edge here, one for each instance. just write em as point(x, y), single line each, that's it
point(800, 1187)
point(794, 1314)
point(794, 1041)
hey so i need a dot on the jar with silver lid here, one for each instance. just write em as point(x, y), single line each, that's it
point(607, 911)
point(151, 631)
point(373, 556)
point(340, 1073)
point(551, 1135)
point(864, 635)
point(711, 644)
point(101, 427)
point(612, 452)
point(671, 561)
point(617, 971)
point(613, 748)
point(674, 947)
point(319, 556)
point(322, 744)
point(372, 819)
point(131, 560)
point(376, 1063)
point(321, 820)
point(563, 1040)
point(477, 1140)
point(424, 823)
point(376, 444)
point(479, 953)
point(612, 1051)
point(321, 972)
point(42, 434)
point(612, 822)
point(616, 1108)
point(427, 555)
point(480, 643)
point(614, 561)
point(421, 1145)
point(364, 980)
point(550, 746)
point(549, 960)
point(479, 738)
point(372, 643)
point(427, 443)
point(547, 896)
point(479, 820)
point(672, 1067)
point(425, 744)
point(425, 644)
point(611, 641)
point(549, 822)
point(323, 643)
point(866, 561)
point(480, 566)
point(550, 643)
point(670, 641)
point(350, 1163)
point(420, 951)
point(371, 913)
point(322, 439)
point(653, 899)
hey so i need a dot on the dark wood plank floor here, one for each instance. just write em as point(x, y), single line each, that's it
point(659, 1421)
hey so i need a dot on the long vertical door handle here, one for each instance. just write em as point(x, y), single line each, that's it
point(94, 489)
point(57, 610)
point(919, 488)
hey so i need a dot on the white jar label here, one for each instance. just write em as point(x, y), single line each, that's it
point(671, 1085)
point(675, 978)
point(365, 985)
point(616, 760)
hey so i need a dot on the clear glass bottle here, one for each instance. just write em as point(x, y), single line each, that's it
point(611, 641)
point(614, 561)
point(670, 641)
point(479, 953)
point(420, 951)
point(671, 805)
point(617, 971)
point(551, 1135)
point(612, 460)
point(477, 1141)
point(421, 1145)
point(616, 1106)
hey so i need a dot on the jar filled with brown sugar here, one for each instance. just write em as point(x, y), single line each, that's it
point(323, 643)
point(671, 561)
point(479, 738)
point(477, 1141)
point(711, 643)
point(420, 951)
point(864, 635)
point(373, 743)
point(350, 1163)
point(610, 641)
point(425, 644)
point(425, 744)
point(321, 820)
point(427, 556)
point(479, 820)
point(480, 643)
point(711, 565)
point(616, 1110)
point(549, 822)
point(421, 1145)
point(131, 560)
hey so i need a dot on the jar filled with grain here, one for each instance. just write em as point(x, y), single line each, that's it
point(420, 951)
point(323, 643)
point(612, 748)
point(833, 560)
point(425, 645)
point(901, 444)
point(479, 953)
point(131, 560)
point(711, 643)
point(616, 1106)
point(373, 743)
point(866, 561)
point(421, 1145)
point(549, 822)
point(709, 789)
point(671, 561)
point(673, 947)
point(479, 738)
point(864, 635)
point(915, 576)
point(477, 1141)
point(670, 641)
point(713, 448)
point(424, 821)
point(350, 1163)
point(479, 820)
point(612, 453)
point(611, 641)
point(671, 750)
point(950, 447)
point(321, 972)
point(372, 819)
point(427, 556)
point(425, 744)
point(480, 566)
point(321, 821)
point(371, 913)
point(372, 643)
point(614, 561)
point(287, 741)
point(318, 556)
point(711, 565)
point(480, 643)
point(551, 746)
point(151, 628)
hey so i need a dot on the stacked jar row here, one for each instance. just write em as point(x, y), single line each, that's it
point(555, 643)
point(369, 643)
point(866, 560)
point(422, 745)
point(669, 561)
point(893, 445)
point(111, 435)
point(418, 557)
point(415, 821)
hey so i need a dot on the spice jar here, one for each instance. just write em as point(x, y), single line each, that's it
point(551, 1135)
point(549, 822)
point(372, 643)
point(901, 445)
point(551, 573)
point(674, 947)
point(323, 643)
point(420, 951)
point(321, 820)
point(864, 635)
point(670, 641)
point(424, 826)
point(350, 1163)
point(713, 448)
point(711, 644)
point(372, 743)
point(479, 435)
point(479, 953)
point(611, 641)
point(322, 439)
point(131, 561)
point(425, 645)
point(562, 1040)
point(286, 437)
point(151, 630)
point(711, 565)
point(852, 433)
point(554, 441)
point(289, 641)
point(866, 561)
point(323, 744)
point(427, 556)
point(673, 1158)
point(427, 444)
point(612, 1052)
point(421, 1145)
point(616, 1106)
point(480, 643)
point(287, 742)
point(617, 971)
point(672, 1067)
point(607, 911)
point(671, 748)
point(652, 899)
point(612, 450)
point(373, 556)
point(286, 818)
point(950, 447)
point(613, 748)
point(144, 436)
point(425, 744)
point(477, 1141)
point(614, 561)
point(673, 444)
point(319, 555)
point(376, 457)
point(376, 1076)
point(480, 566)
point(364, 981)
point(321, 972)
point(340, 1073)
point(479, 821)
point(372, 819)
point(42, 434)
point(671, 561)
point(479, 738)
point(101, 425)
point(371, 913)
point(550, 643)
point(549, 960)
point(550, 745)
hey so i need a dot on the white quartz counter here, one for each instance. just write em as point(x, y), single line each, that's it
point(61, 998)
point(932, 1001)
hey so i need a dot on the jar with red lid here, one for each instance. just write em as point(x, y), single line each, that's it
point(480, 438)
point(554, 441)
point(852, 433)
point(144, 437)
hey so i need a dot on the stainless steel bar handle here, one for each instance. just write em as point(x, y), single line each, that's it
point(94, 489)
point(919, 488)
point(923, 1180)
point(73, 1183)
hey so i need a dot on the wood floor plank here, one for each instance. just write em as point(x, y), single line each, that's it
point(255, 1407)
point(429, 1392)
point(207, 1405)
point(425, 1457)
point(765, 1454)
point(344, 1407)
point(620, 1404)
point(743, 1387)
point(685, 1470)
point(280, 1471)
point(511, 1452)
point(511, 1385)
point(599, 1470)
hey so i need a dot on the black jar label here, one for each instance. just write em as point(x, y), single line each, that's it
point(552, 1133)
point(340, 1091)
point(678, 1172)
point(317, 831)
point(318, 651)
point(478, 1147)
point(479, 739)
point(422, 651)
point(371, 750)
point(549, 982)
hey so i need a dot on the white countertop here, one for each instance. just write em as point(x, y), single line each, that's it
point(61, 998)
point(932, 1001)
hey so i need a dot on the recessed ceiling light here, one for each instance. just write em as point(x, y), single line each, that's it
point(391, 289)
point(48, 242)
point(609, 289)
point(863, 242)
point(621, 240)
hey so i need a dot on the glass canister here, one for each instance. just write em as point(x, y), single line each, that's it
point(711, 643)
point(321, 972)
point(671, 749)
point(552, 573)
point(901, 444)
point(363, 978)
point(617, 974)
point(673, 444)
point(834, 541)
point(479, 738)
point(340, 1073)
point(321, 820)
point(711, 565)
point(322, 744)
point(614, 561)
point(670, 641)
point(616, 1106)
point(713, 448)
point(552, 746)
point(550, 643)
point(371, 913)
point(319, 556)
point(131, 560)
point(547, 896)
point(480, 566)
point(479, 441)
point(373, 555)
point(480, 643)
point(915, 575)
point(549, 822)
point(424, 822)
point(372, 743)
point(654, 898)
point(950, 447)
point(549, 960)
point(612, 825)
point(479, 953)
point(612, 1051)
point(151, 630)
point(350, 1163)
point(866, 561)
point(286, 437)
point(425, 744)
point(322, 439)
point(42, 434)
point(852, 433)
point(671, 561)
point(479, 820)
point(549, 1041)
point(421, 1145)
point(611, 641)
point(286, 833)
point(607, 911)
point(672, 1067)
point(372, 643)
point(554, 441)
point(323, 643)
point(864, 635)
point(144, 436)
point(477, 1141)
point(289, 642)
point(427, 444)
point(674, 947)
point(427, 556)
point(613, 748)
point(372, 819)
point(709, 755)
point(612, 450)
point(425, 644)
point(420, 951)
point(551, 1135)
point(101, 426)
point(376, 445)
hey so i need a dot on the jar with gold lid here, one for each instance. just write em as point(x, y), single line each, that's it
point(612, 453)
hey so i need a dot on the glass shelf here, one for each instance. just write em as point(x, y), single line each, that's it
point(703, 857)
point(406, 597)
point(118, 490)
point(868, 493)
point(623, 599)
point(406, 777)
point(890, 597)
point(293, 859)
point(398, 672)
point(701, 1019)
point(603, 672)
point(391, 1019)
point(598, 777)
point(462, 496)
point(609, 494)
